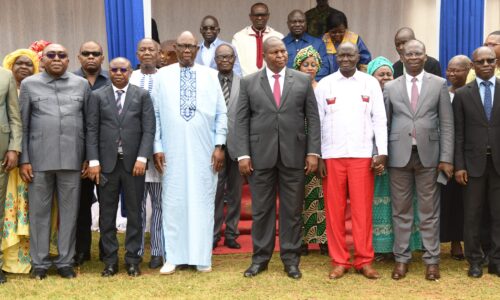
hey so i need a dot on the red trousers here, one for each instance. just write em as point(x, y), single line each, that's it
point(356, 175)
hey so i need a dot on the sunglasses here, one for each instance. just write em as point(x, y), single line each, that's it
point(88, 53)
point(122, 70)
point(183, 47)
point(52, 55)
point(490, 61)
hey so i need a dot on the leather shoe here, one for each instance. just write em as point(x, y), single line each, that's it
point(399, 271)
point(432, 272)
point(133, 270)
point(66, 272)
point(337, 272)
point(80, 258)
point(293, 272)
point(39, 274)
point(255, 269)
point(214, 244)
point(232, 243)
point(156, 262)
point(494, 269)
point(3, 279)
point(475, 271)
point(109, 270)
point(369, 272)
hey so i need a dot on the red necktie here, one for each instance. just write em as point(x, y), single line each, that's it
point(277, 89)
point(259, 35)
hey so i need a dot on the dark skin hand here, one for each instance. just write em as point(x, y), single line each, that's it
point(378, 164)
point(10, 160)
point(159, 160)
point(139, 168)
point(26, 173)
point(461, 177)
point(85, 170)
point(218, 159)
point(446, 168)
point(94, 173)
point(245, 166)
point(311, 164)
point(321, 172)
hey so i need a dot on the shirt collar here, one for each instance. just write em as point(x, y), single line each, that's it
point(271, 73)
point(251, 32)
point(229, 76)
point(419, 77)
point(492, 80)
point(212, 45)
point(116, 89)
point(48, 78)
point(339, 76)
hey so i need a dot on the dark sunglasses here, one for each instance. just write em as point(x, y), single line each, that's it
point(88, 53)
point(183, 47)
point(115, 70)
point(224, 57)
point(52, 55)
point(490, 61)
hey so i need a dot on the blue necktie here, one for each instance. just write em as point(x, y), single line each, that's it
point(487, 99)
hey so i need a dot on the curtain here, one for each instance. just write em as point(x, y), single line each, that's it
point(125, 28)
point(461, 28)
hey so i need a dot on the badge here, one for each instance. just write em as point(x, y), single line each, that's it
point(331, 101)
point(365, 98)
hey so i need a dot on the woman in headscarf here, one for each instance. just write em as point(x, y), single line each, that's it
point(308, 61)
point(338, 33)
point(383, 236)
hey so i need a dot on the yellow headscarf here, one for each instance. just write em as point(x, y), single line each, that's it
point(10, 59)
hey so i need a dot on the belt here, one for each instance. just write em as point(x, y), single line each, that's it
point(120, 155)
point(414, 148)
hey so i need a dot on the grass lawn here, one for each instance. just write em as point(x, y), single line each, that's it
point(227, 282)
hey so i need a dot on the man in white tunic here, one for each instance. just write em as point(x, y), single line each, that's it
point(189, 151)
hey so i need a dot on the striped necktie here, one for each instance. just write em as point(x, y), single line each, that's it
point(119, 94)
point(225, 89)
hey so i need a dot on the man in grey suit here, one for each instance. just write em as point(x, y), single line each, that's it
point(52, 109)
point(273, 151)
point(229, 181)
point(420, 122)
point(120, 134)
point(10, 140)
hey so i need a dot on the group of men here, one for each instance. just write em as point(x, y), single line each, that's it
point(172, 134)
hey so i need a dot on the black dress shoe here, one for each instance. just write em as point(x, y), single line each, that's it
point(494, 269)
point(232, 243)
point(156, 262)
point(255, 269)
point(39, 274)
point(133, 270)
point(109, 270)
point(66, 272)
point(293, 272)
point(475, 271)
point(80, 258)
point(3, 279)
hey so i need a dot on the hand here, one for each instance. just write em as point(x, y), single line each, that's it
point(94, 173)
point(245, 166)
point(26, 173)
point(139, 168)
point(10, 160)
point(378, 164)
point(311, 164)
point(461, 177)
point(85, 173)
point(218, 159)
point(447, 169)
point(321, 172)
point(160, 163)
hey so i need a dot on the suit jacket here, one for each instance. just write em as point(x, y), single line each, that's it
point(231, 117)
point(10, 116)
point(433, 121)
point(431, 66)
point(263, 130)
point(52, 111)
point(473, 132)
point(135, 127)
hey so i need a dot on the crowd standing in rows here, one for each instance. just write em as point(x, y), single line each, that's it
point(307, 116)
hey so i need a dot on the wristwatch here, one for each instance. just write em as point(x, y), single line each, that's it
point(221, 146)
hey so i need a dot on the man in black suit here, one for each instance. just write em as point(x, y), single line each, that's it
point(477, 158)
point(273, 151)
point(120, 134)
point(403, 35)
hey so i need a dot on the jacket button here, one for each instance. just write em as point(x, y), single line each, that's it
point(409, 134)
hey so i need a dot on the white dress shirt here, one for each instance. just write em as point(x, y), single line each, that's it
point(409, 84)
point(352, 114)
point(271, 79)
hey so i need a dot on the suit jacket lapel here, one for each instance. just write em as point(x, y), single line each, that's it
point(128, 98)
point(476, 98)
point(112, 101)
point(423, 92)
point(235, 90)
point(264, 82)
point(287, 86)
point(404, 92)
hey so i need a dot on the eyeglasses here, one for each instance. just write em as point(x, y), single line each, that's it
point(122, 70)
point(456, 70)
point(491, 45)
point(413, 54)
point(183, 47)
point(489, 61)
point(52, 55)
point(88, 53)
point(224, 57)
point(260, 15)
point(207, 28)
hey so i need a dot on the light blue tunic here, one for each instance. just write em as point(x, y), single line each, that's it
point(189, 182)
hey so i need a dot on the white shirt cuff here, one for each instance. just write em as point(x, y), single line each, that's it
point(93, 163)
point(243, 157)
point(142, 159)
point(315, 154)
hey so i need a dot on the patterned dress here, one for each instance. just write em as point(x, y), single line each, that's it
point(313, 216)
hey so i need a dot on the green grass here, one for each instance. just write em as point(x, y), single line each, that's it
point(227, 282)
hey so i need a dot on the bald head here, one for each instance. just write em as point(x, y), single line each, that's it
point(186, 47)
point(484, 62)
point(348, 46)
point(55, 60)
point(54, 47)
point(461, 61)
point(275, 54)
point(457, 71)
point(271, 42)
point(186, 36)
point(347, 58)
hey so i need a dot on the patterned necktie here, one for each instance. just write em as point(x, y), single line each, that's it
point(225, 89)
point(119, 94)
point(487, 99)
point(277, 89)
point(187, 93)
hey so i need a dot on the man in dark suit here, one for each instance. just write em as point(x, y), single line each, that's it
point(404, 35)
point(477, 158)
point(273, 151)
point(120, 134)
point(229, 181)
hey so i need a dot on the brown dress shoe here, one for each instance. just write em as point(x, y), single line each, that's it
point(400, 270)
point(337, 272)
point(369, 272)
point(432, 272)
